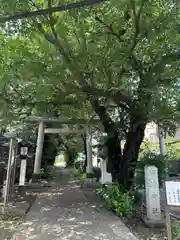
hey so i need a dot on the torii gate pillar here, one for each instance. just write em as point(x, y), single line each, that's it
point(39, 149)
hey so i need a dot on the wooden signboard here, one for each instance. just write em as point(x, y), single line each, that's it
point(172, 202)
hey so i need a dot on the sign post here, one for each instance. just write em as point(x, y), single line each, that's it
point(13, 167)
point(23, 154)
point(172, 202)
point(8, 177)
point(22, 176)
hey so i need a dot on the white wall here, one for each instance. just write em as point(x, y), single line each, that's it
point(151, 133)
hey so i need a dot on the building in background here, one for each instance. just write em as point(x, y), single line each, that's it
point(151, 134)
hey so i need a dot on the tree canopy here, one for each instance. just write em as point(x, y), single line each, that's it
point(119, 60)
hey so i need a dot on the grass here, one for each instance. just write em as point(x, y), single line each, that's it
point(176, 229)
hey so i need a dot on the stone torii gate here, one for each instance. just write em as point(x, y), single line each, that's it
point(42, 130)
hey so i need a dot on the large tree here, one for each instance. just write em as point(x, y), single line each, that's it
point(121, 53)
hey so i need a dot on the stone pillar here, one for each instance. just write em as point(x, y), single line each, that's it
point(105, 176)
point(89, 168)
point(162, 145)
point(39, 149)
point(152, 193)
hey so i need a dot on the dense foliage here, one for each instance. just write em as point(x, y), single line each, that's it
point(150, 158)
point(119, 60)
point(122, 203)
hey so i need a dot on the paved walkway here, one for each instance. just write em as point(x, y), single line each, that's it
point(66, 212)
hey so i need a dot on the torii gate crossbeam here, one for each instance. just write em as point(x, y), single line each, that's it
point(40, 141)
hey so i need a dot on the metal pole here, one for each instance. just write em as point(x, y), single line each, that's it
point(6, 191)
point(13, 167)
point(162, 145)
point(161, 142)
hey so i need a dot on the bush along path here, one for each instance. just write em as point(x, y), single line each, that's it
point(126, 205)
point(117, 200)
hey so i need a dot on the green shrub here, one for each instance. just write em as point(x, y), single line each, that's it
point(176, 229)
point(82, 177)
point(47, 173)
point(79, 166)
point(122, 203)
point(76, 173)
point(150, 158)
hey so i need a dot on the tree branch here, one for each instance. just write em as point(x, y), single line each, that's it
point(51, 22)
point(166, 59)
point(136, 23)
point(111, 29)
point(53, 40)
point(120, 99)
point(61, 8)
point(102, 113)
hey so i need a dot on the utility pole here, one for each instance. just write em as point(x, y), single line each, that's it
point(162, 147)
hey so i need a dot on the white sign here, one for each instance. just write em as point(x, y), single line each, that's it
point(24, 151)
point(22, 176)
point(172, 193)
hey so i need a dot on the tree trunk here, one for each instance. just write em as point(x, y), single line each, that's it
point(130, 154)
point(113, 141)
point(114, 154)
point(71, 156)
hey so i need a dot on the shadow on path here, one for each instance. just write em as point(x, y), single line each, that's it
point(66, 212)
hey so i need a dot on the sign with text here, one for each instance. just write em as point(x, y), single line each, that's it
point(172, 202)
point(173, 193)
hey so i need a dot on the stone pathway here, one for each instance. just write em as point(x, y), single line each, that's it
point(66, 212)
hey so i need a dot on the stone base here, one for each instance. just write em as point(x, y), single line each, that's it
point(36, 178)
point(90, 183)
point(154, 223)
point(90, 175)
point(106, 178)
point(90, 180)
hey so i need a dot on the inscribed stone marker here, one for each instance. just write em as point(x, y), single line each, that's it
point(152, 193)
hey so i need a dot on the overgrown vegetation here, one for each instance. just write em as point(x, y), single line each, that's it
point(78, 174)
point(47, 173)
point(78, 171)
point(152, 159)
point(176, 229)
point(117, 200)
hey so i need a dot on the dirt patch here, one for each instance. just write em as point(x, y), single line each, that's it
point(143, 232)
